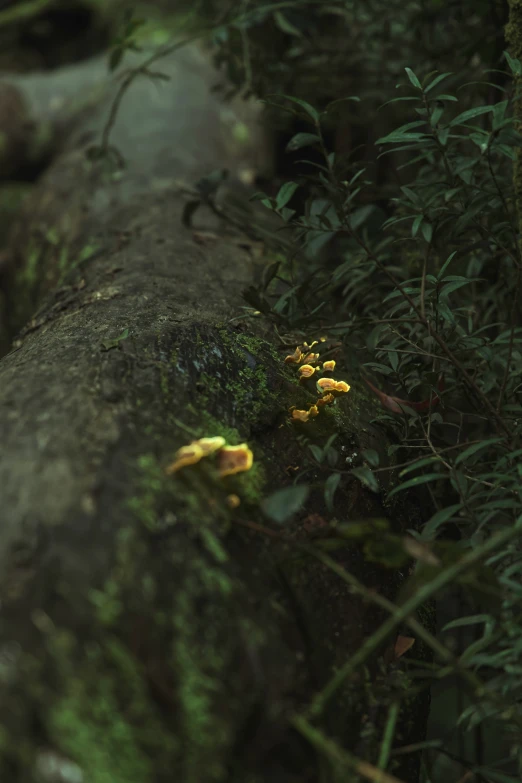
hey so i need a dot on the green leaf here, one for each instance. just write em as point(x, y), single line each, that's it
point(471, 620)
point(264, 199)
point(116, 57)
point(371, 456)
point(515, 65)
point(416, 223)
point(460, 119)
point(420, 463)
point(445, 312)
point(108, 344)
point(286, 192)
point(395, 138)
point(403, 98)
point(281, 505)
point(436, 81)
point(438, 519)
point(317, 452)
point(446, 264)
point(331, 484)
point(366, 477)
point(301, 140)
point(308, 108)
point(269, 272)
point(415, 482)
point(342, 100)
point(475, 448)
point(285, 26)
point(427, 231)
point(413, 79)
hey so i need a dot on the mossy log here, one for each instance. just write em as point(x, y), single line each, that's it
point(150, 629)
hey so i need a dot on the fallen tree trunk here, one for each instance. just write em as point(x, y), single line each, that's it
point(151, 628)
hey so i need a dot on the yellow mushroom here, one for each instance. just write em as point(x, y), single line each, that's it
point(189, 455)
point(295, 357)
point(329, 366)
point(209, 445)
point(186, 455)
point(311, 357)
point(306, 371)
point(325, 400)
point(341, 386)
point(298, 415)
point(234, 459)
point(325, 384)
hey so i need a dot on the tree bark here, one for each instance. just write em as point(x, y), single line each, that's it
point(149, 629)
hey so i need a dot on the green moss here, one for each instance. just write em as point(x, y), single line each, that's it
point(150, 484)
point(87, 726)
point(104, 719)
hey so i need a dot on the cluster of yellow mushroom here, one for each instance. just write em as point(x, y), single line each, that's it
point(230, 459)
point(308, 367)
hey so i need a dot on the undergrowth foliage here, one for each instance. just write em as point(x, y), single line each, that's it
point(425, 289)
point(430, 297)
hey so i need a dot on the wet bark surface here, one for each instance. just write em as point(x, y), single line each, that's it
point(150, 629)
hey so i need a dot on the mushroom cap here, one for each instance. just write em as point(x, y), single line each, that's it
point(306, 371)
point(342, 386)
point(329, 366)
point(311, 357)
point(326, 384)
point(234, 459)
point(295, 357)
point(209, 445)
point(326, 399)
point(186, 455)
point(298, 415)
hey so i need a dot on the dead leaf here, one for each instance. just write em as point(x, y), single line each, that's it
point(402, 645)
